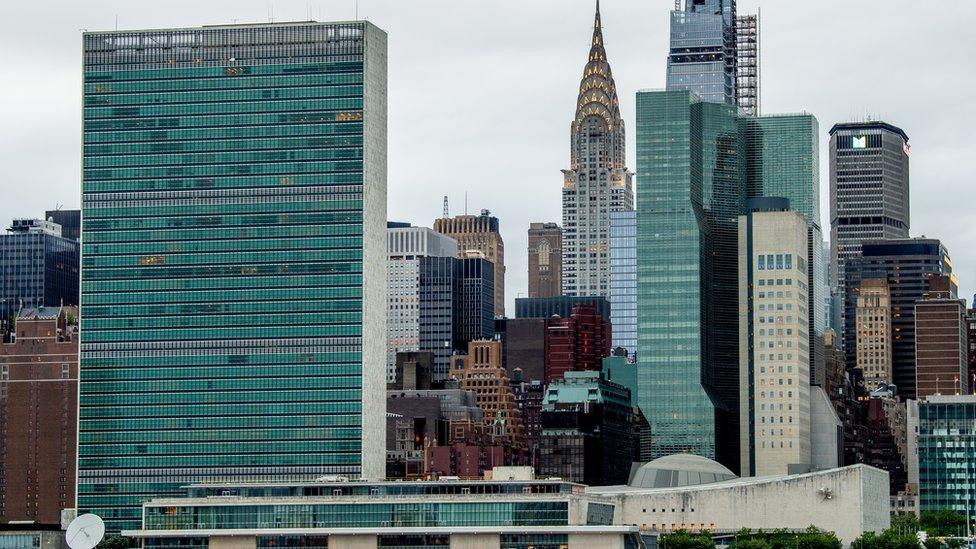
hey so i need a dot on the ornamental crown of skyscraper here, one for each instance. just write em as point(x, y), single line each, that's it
point(598, 93)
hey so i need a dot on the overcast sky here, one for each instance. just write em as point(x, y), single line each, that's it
point(482, 94)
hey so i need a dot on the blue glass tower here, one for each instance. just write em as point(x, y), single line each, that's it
point(234, 193)
point(703, 57)
point(623, 280)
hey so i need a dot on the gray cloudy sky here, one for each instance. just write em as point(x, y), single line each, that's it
point(482, 94)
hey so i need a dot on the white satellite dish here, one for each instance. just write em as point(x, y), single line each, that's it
point(85, 532)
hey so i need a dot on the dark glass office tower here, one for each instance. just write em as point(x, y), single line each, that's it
point(38, 267)
point(904, 264)
point(234, 193)
point(70, 221)
point(703, 54)
point(474, 290)
point(868, 189)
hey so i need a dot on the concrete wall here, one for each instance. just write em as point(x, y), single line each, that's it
point(858, 502)
point(826, 442)
point(352, 542)
point(375, 255)
point(473, 541)
point(592, 541)
point(234, 542)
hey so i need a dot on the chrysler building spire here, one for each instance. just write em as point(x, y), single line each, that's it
point(597, 181)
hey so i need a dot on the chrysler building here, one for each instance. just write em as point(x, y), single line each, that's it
point(597, 181)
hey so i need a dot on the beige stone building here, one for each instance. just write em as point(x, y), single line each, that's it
point(873, 325)
point(774, 382)
point(545, 260)
point(481, 371)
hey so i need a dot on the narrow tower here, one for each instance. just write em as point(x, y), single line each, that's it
point(597, 181)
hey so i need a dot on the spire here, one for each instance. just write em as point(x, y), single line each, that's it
point(598, 93)
point(597, 27)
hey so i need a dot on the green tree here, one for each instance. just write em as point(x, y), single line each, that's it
point(117, 542)
point(750, 543)
point(905, 523)
point(889, 539)
point(944, 523)
point(815, 538)
point(683, 539)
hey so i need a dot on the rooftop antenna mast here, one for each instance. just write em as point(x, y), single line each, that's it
point(446, 211)
point(465, 202)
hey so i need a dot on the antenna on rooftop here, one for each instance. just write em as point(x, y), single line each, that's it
point(446, 211)
point(465, 202)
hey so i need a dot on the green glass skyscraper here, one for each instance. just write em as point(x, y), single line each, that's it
point(689, 194)
point(698, 162)
point(234, 197)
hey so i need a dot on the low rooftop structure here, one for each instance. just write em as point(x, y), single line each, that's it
point(847, 501)
point(679, 470)
point(340, 514)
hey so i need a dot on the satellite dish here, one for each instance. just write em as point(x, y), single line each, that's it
point(85, 532)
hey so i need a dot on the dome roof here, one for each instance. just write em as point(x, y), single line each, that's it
point(679, 470)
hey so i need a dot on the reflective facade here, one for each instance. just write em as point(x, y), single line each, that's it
point(38, 268)
point(945, 443)
point(474, 290)
point(698, 161)
point(506, 514)
point(702, 57)
point(234, 188)
point(479, 234)
point(597, 181)
point(623, 280)
point(690, 190)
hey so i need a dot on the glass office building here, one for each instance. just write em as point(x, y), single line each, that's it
point(508, 514)
point(702, 57)
point(698, 162)
point(623, 280)
point(945, 440)
point(234, 188)
point(38, 267)
point(689, 194)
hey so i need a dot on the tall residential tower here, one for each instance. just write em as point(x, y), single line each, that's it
point(597, 182)
point(234, 198)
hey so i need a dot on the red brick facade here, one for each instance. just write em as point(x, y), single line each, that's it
point(577, 343)
point(38, 417)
